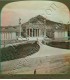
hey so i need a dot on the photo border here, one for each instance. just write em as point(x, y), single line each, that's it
point(31, 76)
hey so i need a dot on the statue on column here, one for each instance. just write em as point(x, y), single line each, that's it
point(19, 20)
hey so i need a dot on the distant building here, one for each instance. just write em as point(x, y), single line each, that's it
point(9, 32)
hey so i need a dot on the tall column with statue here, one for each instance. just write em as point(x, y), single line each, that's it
point(20, 27)
point(44, 28)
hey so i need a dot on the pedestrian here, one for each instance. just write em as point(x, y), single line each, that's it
point(35, 71)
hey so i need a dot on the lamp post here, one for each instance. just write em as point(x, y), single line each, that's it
point(44, 28)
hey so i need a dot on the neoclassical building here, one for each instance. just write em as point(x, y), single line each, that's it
point(41, 27)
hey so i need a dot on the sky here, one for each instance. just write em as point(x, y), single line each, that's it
point(25, 10)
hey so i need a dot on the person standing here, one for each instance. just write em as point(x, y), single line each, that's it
point(35, 71)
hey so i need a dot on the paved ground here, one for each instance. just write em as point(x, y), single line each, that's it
point(45, 51)
point(48, 51)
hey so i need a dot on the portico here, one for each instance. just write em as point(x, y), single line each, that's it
point(32, 32)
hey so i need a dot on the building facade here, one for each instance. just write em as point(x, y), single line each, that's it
point(8, 35)
point(36, 27)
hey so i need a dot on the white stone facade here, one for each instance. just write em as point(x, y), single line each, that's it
point(61, 35)
point(8, 35)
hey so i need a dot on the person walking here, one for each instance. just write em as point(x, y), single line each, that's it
point(35, 71)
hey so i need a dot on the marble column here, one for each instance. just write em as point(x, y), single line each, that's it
point(8, 35)
point(11, 35)
point(26, 33)
point(37, 33)
point(4, 37)
point(29, 32)
point(32, 32)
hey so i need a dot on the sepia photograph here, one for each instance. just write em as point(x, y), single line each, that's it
point(35, 38)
